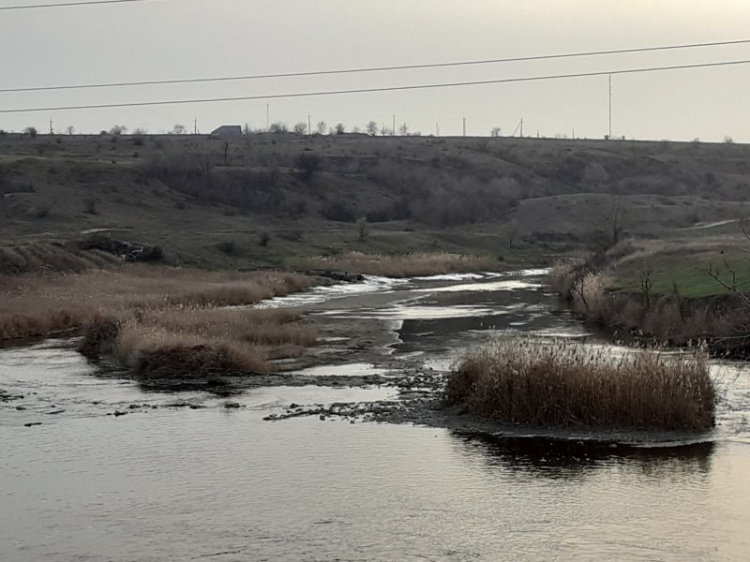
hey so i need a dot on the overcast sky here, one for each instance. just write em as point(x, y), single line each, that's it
point(164, 39)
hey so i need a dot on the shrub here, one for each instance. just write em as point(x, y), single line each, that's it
point(228, 247)
point(563, 384)
point(90, 205)
point(307, 163)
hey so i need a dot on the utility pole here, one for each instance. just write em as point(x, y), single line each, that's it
point(521, 127)
point(393, 131)
point(437, 129)
point(51, 130)
point(464, 126)
point(610, 107)
point(195, 126)
point(268, 117)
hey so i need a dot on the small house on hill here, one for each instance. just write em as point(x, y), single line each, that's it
point(227, 131)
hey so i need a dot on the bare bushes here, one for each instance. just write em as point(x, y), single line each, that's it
point(406, 265)
point(562, 384)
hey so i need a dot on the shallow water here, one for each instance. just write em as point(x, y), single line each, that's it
point(215, 483)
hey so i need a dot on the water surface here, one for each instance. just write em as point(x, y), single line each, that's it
point(166, 482)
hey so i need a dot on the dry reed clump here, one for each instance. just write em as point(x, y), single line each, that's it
point(562, 384)
point(189, 341)
point(406, 265)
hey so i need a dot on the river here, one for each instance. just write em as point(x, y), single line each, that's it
point(184, 477)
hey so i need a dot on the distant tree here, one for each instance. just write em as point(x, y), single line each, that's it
point(179, 129)
point(308, 163)
point(364, 229)
point(495, 132)
point(372, 128)
point(247, 130)
point(339, 129)
point(139, 131)
point(278, 127)
point(595, 174)
point(90, 205)
point(356, 129)
point(386, 132)
point(70, 129)
point(118, 130)
point(728, 140)
point(300, 128)
point(321, 127)
point(31, 131)
point(403, 130)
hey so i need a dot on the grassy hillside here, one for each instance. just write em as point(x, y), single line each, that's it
point(266, 199)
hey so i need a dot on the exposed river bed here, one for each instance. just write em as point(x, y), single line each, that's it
point(99, 468)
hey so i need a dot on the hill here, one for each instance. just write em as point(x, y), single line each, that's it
point(266, 199)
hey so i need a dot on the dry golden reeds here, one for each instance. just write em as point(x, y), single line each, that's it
point(45, 305)
point(564, 384)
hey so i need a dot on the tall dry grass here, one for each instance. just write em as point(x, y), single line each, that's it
point(188, 341)
point(405, 265)
point(43, 305)
point(563, 384)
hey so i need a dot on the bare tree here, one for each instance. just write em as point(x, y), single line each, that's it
point(31, 131)
point(179, 129)
point(614, 221)
point(728, 280)
point(278, 127)
point(340, 129)
point(321, 127)
point(495, 132)
point(363, 228)
point(646, 284)
point(70, 129)
point(118, 130)
point(372, 128)
point(403, 130)
point(300, 128)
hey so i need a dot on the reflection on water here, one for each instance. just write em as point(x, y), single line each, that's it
point(564, 458)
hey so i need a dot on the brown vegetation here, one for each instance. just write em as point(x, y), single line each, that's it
point(560, 384)
point(29, 258)
point(189, 341)
point(42, 305)
point(666, 291)
point(404, 265)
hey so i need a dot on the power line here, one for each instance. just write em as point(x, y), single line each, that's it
point(369, 69)
point(383, 89)
point(68, 4)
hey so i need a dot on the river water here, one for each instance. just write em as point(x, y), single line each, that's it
point(167, 483)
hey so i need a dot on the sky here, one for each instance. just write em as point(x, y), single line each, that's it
point(172, 39)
